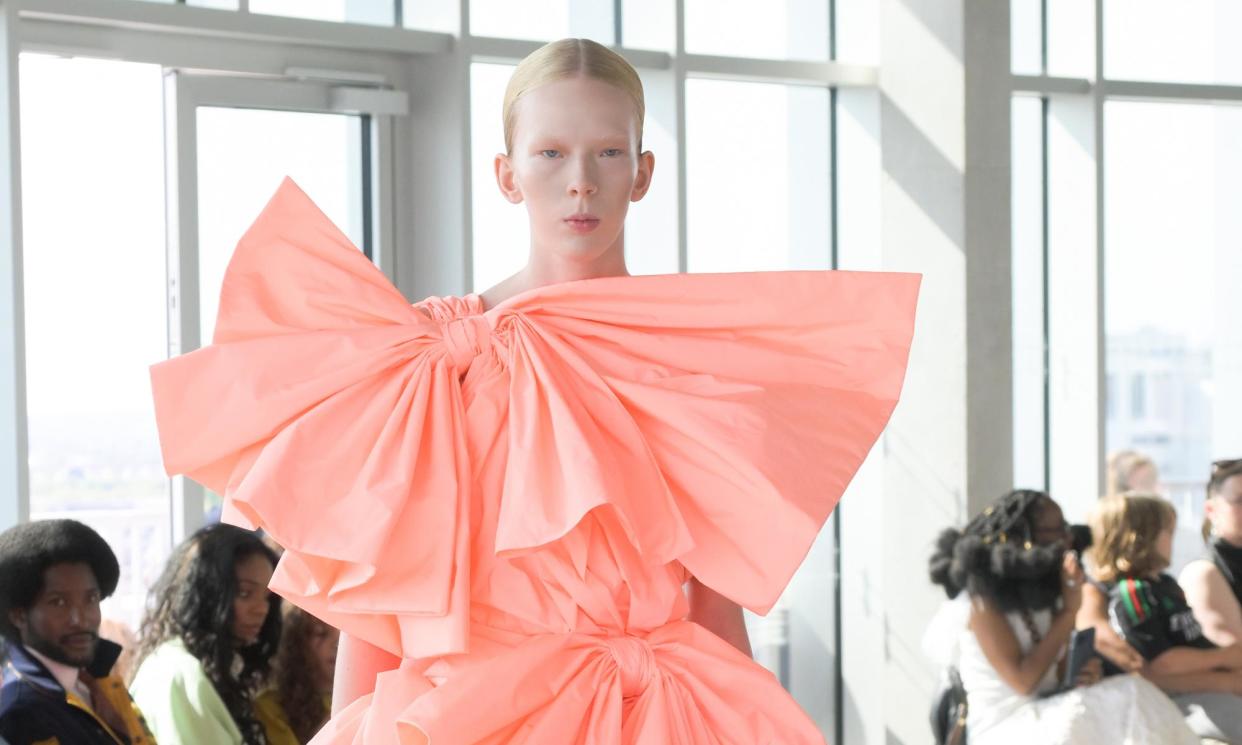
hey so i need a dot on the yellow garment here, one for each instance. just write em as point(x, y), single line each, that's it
point(113, 689)
point(271, 714)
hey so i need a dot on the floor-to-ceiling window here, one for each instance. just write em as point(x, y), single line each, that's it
point(1126, 159)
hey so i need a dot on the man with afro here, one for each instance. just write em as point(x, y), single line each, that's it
point(57, 687)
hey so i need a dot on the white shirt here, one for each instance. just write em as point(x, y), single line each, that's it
point(67, 676)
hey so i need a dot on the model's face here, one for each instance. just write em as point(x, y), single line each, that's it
point(63, 622)
point(1224, 509)
point(323, 642)
point(251, 604)
point(575, 165)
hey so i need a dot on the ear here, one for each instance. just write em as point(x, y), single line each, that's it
point(17, 617)
point(506, 179)
point(642, 181)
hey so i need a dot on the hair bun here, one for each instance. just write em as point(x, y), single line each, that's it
point(940, 567)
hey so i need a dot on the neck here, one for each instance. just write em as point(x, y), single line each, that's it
point(51, 664)
point(544, 267)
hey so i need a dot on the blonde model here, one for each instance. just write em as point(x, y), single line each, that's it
point(536, 512)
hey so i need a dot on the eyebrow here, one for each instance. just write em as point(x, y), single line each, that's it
point(563, 137)
point(49, 593)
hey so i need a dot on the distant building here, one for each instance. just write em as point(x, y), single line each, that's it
point(1160, 401)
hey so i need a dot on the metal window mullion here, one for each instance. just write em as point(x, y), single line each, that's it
point(181, 225)
point(1050, 85)
point(466, 50)
point(838, 618)
point(1046, 290)
point(190, 22)
point(383, 202)
point(790, 72)
point(1171, 92)
point(1043, 37)
point(14, 466)
point(679, 109)
point(1098, 99)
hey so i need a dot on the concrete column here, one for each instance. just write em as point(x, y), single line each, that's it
point(943, 116)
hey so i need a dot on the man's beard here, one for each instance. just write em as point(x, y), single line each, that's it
point(56, 652)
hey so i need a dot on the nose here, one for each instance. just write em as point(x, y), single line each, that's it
point(259, 611)
point(583, 181)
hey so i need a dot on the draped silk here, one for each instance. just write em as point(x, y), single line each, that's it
point(510, 499)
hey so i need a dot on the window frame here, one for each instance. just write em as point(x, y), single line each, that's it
point(1076, 105)
point(265, 61)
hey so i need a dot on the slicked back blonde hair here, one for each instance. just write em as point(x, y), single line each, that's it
point(1124, 529)
point(570, 58)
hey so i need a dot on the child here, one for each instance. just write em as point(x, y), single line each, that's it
point(1133, 546)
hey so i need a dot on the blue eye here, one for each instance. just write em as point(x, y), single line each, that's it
point(549, 153)
point(612, 152)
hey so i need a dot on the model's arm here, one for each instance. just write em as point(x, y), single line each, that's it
point(1216, 607)
point(719, 615)
point(1094, 615)
point(357, 664)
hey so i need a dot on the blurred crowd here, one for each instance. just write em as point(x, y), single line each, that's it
point(1055, 633)
point(216, 659)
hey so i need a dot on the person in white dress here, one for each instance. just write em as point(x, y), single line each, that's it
point(1014, 588)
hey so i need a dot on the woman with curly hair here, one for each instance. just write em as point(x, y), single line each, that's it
point(300, 699)
point(1019, 586)
point(208, 638)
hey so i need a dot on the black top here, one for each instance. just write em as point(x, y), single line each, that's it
point(1228, 559)
point(1153, 616)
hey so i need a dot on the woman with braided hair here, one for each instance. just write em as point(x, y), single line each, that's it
point(1017, 586)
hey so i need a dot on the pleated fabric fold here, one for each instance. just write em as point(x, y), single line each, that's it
point(715, 419)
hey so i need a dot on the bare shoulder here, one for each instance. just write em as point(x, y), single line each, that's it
point(983, 613)
point(1199, 575)
point(503, 290)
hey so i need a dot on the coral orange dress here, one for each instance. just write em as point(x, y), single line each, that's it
point(511, 499)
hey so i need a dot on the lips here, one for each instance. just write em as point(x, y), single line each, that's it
point(250, 633)
point(78, 640)
point(582, 222)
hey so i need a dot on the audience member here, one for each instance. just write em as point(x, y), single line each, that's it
point(1213, 584)
point(1133, 546)
point(298, 703)
point(58, 682)
point(1012, 567)
point(208, 638)
point(1130, 470)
